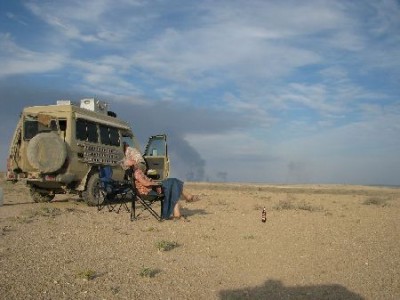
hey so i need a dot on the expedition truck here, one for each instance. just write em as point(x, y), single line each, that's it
point(57, 149)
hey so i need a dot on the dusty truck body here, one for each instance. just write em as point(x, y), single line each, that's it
point(57, 149)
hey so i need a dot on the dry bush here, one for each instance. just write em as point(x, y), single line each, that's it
point(148, 272)
point(288, 204)
point(284, 205)
point(309, 207)
point(377, 201)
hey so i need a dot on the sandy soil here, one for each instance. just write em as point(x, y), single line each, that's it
point(319, 242)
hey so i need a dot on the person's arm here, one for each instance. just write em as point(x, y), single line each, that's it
point(143, 179)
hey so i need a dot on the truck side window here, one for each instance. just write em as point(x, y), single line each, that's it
point(86, 131)
point(92, 132)
point(109, 135)
point(127, 139)
point(81, 130)
point(114, 137)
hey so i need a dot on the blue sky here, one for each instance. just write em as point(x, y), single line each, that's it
point(255, 91)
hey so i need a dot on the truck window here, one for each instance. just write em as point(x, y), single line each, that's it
point(114, 137)
point(104, 135)
point(86, 131)
point(128, 139)
point(156, 147)
point(109, 135)
point(92, 132)
point(31, 129)
point(81, 130)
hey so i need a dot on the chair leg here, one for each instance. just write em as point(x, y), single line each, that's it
point(133, 213)
point(151, 210)
point(133, 210)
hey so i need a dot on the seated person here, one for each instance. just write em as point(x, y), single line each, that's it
point(172, 187)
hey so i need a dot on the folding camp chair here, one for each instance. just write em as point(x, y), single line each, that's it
point(147, 201)
point(115, 195)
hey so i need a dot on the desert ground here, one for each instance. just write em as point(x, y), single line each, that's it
point(319, 242)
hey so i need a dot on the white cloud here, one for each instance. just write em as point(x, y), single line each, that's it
point(98, 21)
point(17, 60)
point(16, 18)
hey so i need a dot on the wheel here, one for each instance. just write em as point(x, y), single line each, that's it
point(40, 197)
point(92, 195)
point(46, 152)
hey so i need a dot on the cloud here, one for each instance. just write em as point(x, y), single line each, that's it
point(17, 60)
point(16, 18)
point(91, 22)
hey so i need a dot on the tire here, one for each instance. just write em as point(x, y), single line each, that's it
point(40, 197)
point(46, 152)
point(92, 195)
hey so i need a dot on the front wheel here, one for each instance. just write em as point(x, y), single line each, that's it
point(40, 196)
point(92, 193)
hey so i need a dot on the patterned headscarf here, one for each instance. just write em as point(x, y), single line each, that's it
point(133, 158)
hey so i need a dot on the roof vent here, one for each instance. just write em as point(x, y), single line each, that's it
point(94, 105)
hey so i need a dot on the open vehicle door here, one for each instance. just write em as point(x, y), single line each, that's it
point(156, 156)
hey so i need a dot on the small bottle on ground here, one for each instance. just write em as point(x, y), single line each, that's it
point(264, 215)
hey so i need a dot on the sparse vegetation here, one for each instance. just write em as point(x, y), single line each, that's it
point(148, 272)
point(249, 237)
point(309, 207)
point(284, 205)
point(44, 211)
point(86, 254)
point(378, 201)
point(166, 245)
point(288, 204)
point(74, 210)
point(47, 211)
point(150, 229)
point(87, 274)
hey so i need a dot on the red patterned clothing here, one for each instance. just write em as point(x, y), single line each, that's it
point(139, 178)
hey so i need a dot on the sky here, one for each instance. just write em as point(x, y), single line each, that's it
point(247, 91)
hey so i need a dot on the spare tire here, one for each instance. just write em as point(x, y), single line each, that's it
point(46, 152)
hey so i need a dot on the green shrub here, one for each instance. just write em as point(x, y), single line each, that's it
point(87, 274)
point(166, 245)
point(148, 272)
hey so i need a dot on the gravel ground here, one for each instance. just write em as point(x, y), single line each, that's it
point(319, 242)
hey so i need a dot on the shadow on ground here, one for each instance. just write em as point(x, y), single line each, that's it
point(191, 212)
point(275, 290)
